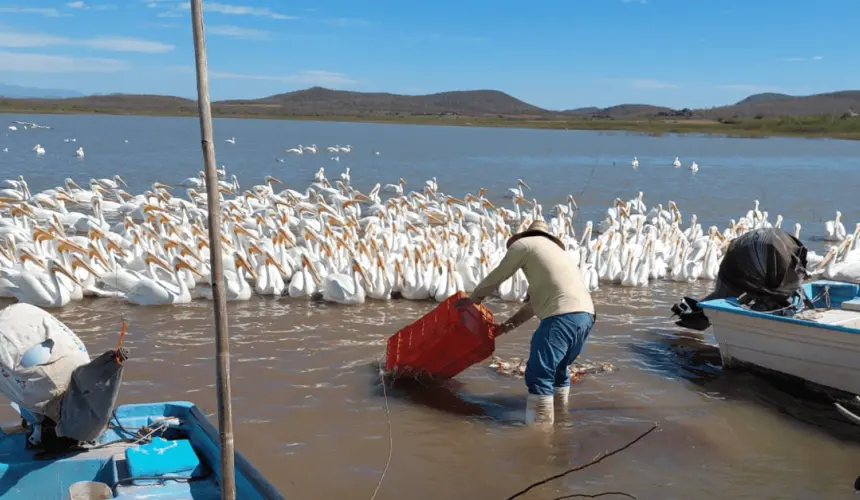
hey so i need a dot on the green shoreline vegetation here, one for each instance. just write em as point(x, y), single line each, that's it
point(824, 126)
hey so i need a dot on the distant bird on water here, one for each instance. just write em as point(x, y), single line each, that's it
point(635, 162)
point(39, 149)
point(231, 140)
point(79, 152)
point(677, 162)
point(299, 150)
point(694, 167)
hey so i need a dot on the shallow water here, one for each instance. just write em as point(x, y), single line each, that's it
point(308, 405)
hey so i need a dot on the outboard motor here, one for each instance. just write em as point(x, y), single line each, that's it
point(45, 370)
point(763, 269)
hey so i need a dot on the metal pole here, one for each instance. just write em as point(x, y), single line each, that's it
point(222, 344)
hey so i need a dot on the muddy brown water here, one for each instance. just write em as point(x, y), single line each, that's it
point(307, 401)
point(309, 407)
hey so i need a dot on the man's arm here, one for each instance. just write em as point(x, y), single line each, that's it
point(524, 314)
point(510, 264)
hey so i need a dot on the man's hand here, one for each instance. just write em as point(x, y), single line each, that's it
point(503, 328)
point(464, 303)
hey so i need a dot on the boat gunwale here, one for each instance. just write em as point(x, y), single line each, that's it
point(732, 306)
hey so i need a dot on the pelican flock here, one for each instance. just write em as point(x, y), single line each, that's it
point(332, 242)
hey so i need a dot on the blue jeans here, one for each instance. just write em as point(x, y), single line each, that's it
point(555, 345)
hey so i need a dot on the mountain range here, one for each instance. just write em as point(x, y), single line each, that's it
point(17, 91)
point(318, 101)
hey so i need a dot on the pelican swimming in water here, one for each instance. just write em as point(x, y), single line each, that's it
point(39, 149)
point(676, 163)
point(79, 152)
point(694, 167)
point(635, 162)
point(231, 140)
point(299, 150)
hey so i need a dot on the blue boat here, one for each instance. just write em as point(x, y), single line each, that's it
point(820, 344)
point(154, 451)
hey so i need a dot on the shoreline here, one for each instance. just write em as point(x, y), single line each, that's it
point(798, 127)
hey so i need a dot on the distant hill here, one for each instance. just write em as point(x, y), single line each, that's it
point(321, 102)
point(18, 92)
point(832, 103)
point(764, 97)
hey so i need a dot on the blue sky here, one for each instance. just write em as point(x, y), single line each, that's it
point(557, 54)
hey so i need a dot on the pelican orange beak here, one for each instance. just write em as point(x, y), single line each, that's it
point(78, 262)
point(523, 183)
point(243, 263)
point(271, 260)
point(66, 198)
point(148, 208)
point(151, 258)
point(170, 244)
point(186, 250)
point(307, 263)
point(159, 185)
point(40, 234)
point(70, 247)
point(364, 278)
point(272, 180)
point(57, 267)
point(26, 255)
point(183, 264)
point(239, 229)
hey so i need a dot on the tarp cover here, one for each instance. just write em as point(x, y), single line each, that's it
point(37, 387)
point(87, 406)
point(769, 265)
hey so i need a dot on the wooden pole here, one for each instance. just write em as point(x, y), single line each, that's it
point(222, 344)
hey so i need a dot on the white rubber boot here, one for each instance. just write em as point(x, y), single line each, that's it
point(561, 395)
point(539, 409)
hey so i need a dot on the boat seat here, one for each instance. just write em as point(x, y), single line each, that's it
point(852, 305)
point(162, 458)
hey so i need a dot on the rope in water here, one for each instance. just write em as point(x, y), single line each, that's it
point(597, 460)
point(390, 435)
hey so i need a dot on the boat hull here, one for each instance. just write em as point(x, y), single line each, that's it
point(26, 476)
point(826, 352)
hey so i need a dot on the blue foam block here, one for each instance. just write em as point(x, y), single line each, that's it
point(162, 458)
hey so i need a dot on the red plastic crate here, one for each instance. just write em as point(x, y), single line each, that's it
point(443, 343)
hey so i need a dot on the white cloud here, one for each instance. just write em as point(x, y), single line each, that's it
point(238, 32)
point(649, 83)
point(47, 12)
point(303, 77)
point(343, 22)
point(802, 59)
point(107, 43)
point(83, 6)
point(44, 63)
point(241, 10)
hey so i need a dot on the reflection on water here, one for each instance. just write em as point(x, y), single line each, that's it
point(307, 398)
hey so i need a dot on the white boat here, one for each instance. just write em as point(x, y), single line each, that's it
point(820, 345)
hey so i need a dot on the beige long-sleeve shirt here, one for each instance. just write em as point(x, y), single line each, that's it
point(555, 283)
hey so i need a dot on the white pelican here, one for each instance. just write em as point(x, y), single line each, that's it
point(676, 163)
point(42, 290)
point(518, 191)
point(345, 176)
point(834, 230)
point(79, 152)
point(694, 167)
point(231, 140)
point(343, 289)
point(153, 292)
point(395, 188)
point(236, 284)
point(635, 162)
point(299, 150)
point(311, 149)
point(39, 149)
